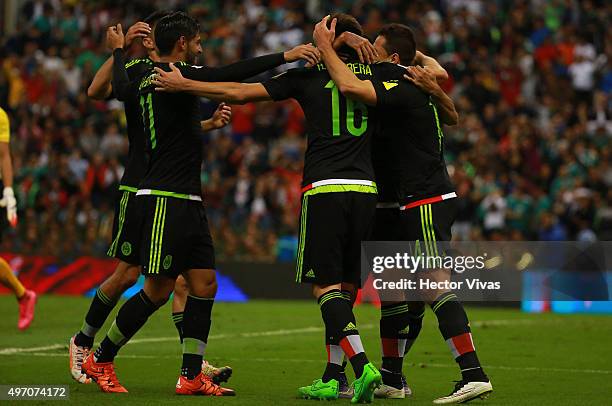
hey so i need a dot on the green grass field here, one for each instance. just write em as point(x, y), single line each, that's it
point(274, 347)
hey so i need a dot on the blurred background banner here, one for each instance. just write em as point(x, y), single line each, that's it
point(238, 281)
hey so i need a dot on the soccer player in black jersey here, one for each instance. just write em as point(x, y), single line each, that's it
point(338, 203)
point(174, 236)
point(126, 225)
point(415, 151)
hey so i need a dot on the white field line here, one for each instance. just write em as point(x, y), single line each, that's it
point(40, 351)
point(281, 332)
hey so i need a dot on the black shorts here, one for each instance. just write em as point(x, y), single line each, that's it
point(388, 226)
point(126, 227)
point(429, 223)
point(175, 236)
point(332, 226)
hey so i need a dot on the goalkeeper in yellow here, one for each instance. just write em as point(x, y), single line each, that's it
point(8, 211)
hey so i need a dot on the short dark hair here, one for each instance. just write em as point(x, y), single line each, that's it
point(154, 17)
point(172, 27)
point(399, 39)
point(346, 23)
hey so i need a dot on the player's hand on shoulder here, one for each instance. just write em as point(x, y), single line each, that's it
point(114, 37)
point(304, 52)
point(422, 78)
point(172, 81)
point(138, 30)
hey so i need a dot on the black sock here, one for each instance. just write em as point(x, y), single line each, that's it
point(394, 320)
point(197, 321)
point(358, 362)
point(332, 371)
point(131, 317)
point(340, 323)
point(99, 309)
point(333, 368)
point(393, 379)
point(416, 312)
point(177, 318)
point(336, 361)
point(471, 371)
point(454, 326)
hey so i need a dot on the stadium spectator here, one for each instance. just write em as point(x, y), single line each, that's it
point(530, 156)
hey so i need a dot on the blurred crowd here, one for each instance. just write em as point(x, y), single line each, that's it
point(530, 156)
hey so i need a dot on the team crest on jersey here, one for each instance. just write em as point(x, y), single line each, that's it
point(390, 84)
point(167, 262)
point(126, 248)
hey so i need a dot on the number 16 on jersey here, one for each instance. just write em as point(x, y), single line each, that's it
point(351, 108)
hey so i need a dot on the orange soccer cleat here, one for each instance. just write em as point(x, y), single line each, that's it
point(26, 309)
point(201, 385)
point(103, 373)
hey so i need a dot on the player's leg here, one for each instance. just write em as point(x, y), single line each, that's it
point(26, 298)
point(179, 298)
point(197, 322)
point(453, 322)
point(199, 260)
point(360, 215)
point(134, 313)
point(345, 390)
point(102, 304)
point(394, 320)
point(319, 259)
point(126, 226)
point(416, 312)
point(104, 301)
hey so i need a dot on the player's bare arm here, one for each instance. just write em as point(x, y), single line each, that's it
point(348, 84)
point(229, 92)
point(426, 81)
point(220, 118)
point(101, 87)
point(432, 65)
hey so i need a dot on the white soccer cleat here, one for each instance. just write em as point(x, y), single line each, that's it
point(389, 392)
point(466, 391)
point(345, 391)
point(77, 356)
point(217, 375)
point(407, 389)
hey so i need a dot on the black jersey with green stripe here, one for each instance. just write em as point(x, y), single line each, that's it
point(408, 150)
point(173, 132)
point(136, 166)
point(339, 129)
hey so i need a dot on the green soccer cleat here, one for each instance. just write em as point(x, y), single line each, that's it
point(367, 383)
point(320, 390)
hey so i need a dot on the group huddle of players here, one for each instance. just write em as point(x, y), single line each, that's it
point(373, 170)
